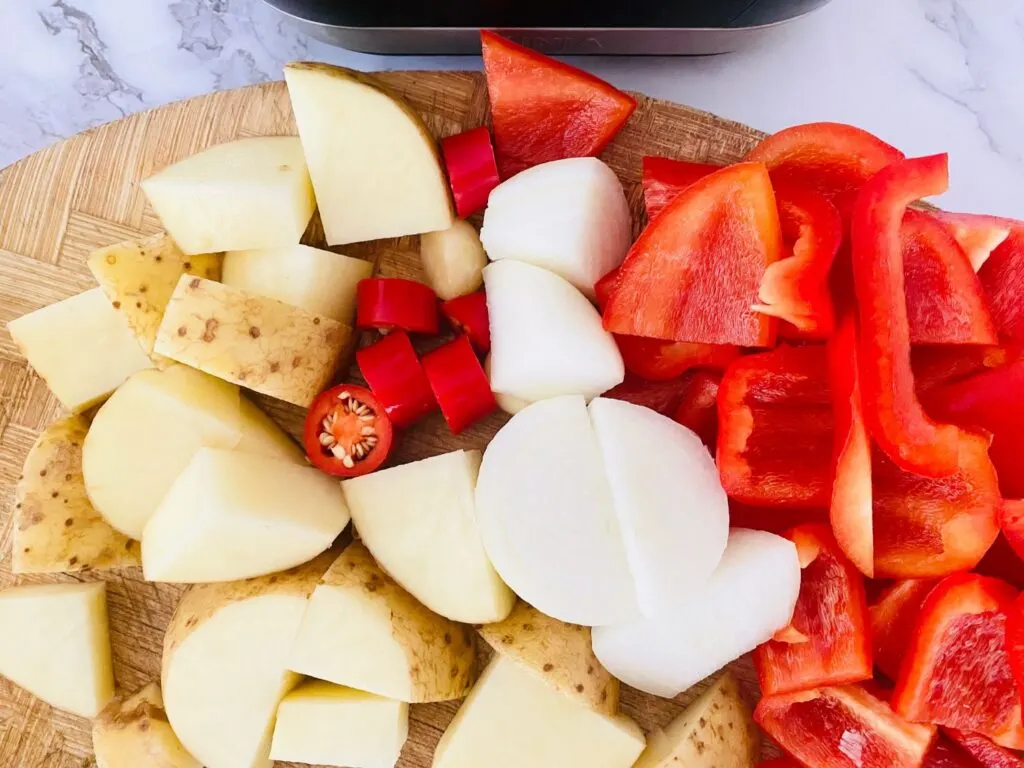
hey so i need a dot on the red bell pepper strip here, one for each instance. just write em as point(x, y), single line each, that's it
point(698, 406)
point(776, 428)
point(657, 360)
point(892, 618)
point(852, 510)
point(1002, 277)
point(1002, 562)
point(984, 752)
point(945, 300)
point(776, 520)
point(388, 303)
point(1015, 641)
point(1011, 523)
point(990, 402)
point(545, 110)
point(843, 727)
point(472, 169)
point(661, 396)
point(831, 613)
point(459, 383)
point(895, 417)
point(936, 366)
point(957, 669)
point(396, 378)
point(468, 314)
point(832, 159)
point(663, 179)
point(978, 235)
point(695, 271)
point(796, 289)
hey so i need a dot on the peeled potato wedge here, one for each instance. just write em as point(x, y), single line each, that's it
point(558, 653)
point(139, 277)
point(81, 347)
point(56, 527)
point(364, 631)
point(375, 166)
point(224, 668)
point(247, 193)
point(715, 731)
point(56, 644)
point(133, 732)
point(253, 341)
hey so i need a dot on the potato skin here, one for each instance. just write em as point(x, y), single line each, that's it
point(136, 728)
point(252, 341)
point(441, 652)
point(56, 528)
point(557, 651)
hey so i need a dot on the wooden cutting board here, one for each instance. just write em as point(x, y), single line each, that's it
point(58, 205)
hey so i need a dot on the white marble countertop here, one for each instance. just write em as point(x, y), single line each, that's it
point(926, 75)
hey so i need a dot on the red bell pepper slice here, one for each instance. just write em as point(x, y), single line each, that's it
point(459, 383)
point(831, 613)
point(843, 727)
point(545, 110)
point(1011, 523)
point(472, 169)
point(661, 396)
point(945, 300)
point(1015, 641)
point(658, 360)
point(990, 402)
point(698, 406)
point(978, 235)
point(396, 378)
point(893, 617)
point(776, 428)
point(796, 289)
point(895, 416)
point(1002, 277)
point(984, 752)
point(830, 158)
point(695, 271)
point(1002, 562)
point(936, 366)
point(957, 669)
point(776, 520)
point(852, 510)
point(388, 303)
point(663, 179)
point(468, 314)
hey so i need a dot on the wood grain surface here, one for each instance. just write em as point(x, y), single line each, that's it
point(58, 205)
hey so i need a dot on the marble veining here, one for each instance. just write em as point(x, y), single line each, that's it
point(926, 75)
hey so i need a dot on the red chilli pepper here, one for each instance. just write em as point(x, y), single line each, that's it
point(459, 383)
point(388, 303)
point(843, 727)
point(395, 375)
point(831, 616)
point(893, 617)
point(895, 416)
point(468, 315)
point(957, 669)
point(472, 169)
point(347, 432)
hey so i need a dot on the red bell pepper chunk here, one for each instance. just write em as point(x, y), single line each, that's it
point(852, 510)
point(388, 303)
point(1011, 523)
point(1002, 562)
point(895, 416)
point(776, 520)
point(661, 396)
point(843, 727)
point(396, 378)
point(459, 383)
point(978, 235)
point(893, 617)
point(957, 669)
point(831, 613)
point(776, 428)
point(468, 314)
point(990, 402)
point(832, 159)
point(698, 406)
point(663, 179)
point(945, 300)
point(1015, 641)
point(472, 169)
point(695, 271)
point(936, 366)
point(1002, 277)
point(983, 752)
point(658, 360)
point(545, 110)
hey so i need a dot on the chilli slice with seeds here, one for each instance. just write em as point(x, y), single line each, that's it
point(348, 432)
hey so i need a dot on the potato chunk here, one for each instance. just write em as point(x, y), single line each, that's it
point(133, 732)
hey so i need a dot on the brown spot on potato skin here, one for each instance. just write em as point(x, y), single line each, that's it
point(67, 478)
point(138, 305)
point(73, 560)
point(447, 638)
point(111, 259)
point(117, 305)
point(275, 367)
point(195, 282)
point(68, 523)
point(455, 671)
point(507, 639)
point(54, 494)
point(254, 332)
point(143, 289)
point(42, 473)
point(188, 265)
point(579, 688)
point(548, 667)
point(182, 330)
point(191, 621)
point(210, 333)
point(316, 321)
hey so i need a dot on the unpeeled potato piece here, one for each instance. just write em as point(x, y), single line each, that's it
point(133, 732)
